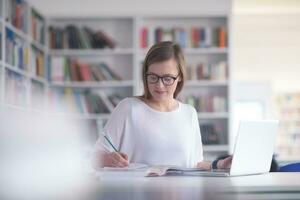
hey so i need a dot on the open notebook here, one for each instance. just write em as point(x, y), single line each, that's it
point(131, 167)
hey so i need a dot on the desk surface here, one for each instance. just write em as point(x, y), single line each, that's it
point(132, 185)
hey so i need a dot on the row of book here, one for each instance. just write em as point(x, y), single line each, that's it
point(73, 101)
point(16, 14)
point(37, 62)
point(15, 88)
point(288, 142)
point(74, 37)
point(208, 103)
point(37, 27)
point(212, 134)
point(21, 56)
point(195, 37)
point(204, 71)
point(66, 69)
point(17, 52)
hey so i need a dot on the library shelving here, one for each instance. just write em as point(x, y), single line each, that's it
point(82, 67)
point(23, 66)
point(288, 142)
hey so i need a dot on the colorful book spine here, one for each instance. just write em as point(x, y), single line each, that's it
point(193, 37)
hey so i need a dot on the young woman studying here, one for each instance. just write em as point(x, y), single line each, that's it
point(155, 128)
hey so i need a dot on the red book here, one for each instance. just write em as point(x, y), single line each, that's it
point(18, 20)
point(195, 37)
point(85, 72)
point(74, 71)
point(144, 37)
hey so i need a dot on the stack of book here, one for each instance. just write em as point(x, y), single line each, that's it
point(17, 12)
point(288, 142)
point(73, 37)
point(203, 71)
point(37, 62)
point(208, 103)
point(17, 53)
point(195, 37)
point(211, 134)
point(73, 101)
point(65, 69)
point(37, 27)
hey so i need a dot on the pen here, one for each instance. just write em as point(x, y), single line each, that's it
point(104, 135)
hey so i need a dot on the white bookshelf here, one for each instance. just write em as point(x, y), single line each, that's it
point(125, 59)
point(288, 141)
point(23, 78)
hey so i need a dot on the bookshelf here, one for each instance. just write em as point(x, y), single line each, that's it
point(64, 58)
point(23, 78)
point(104, 66)
point(204, 40)
point(288, 142)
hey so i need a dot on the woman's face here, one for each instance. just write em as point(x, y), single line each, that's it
point(163, 89)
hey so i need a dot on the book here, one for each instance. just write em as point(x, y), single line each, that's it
point(209, 134)
point(172, 170)
point(144, 38)
point(57, 68)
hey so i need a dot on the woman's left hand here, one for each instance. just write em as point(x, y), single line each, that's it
point(225, 163)
point(222, 164)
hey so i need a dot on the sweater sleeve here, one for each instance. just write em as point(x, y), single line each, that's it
point(114, 128)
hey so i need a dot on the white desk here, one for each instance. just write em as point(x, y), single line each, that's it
point(132, 185)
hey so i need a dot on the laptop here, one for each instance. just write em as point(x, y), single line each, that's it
point(253, 150)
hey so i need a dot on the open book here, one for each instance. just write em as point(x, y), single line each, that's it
point(173, 170)
point(163, 170)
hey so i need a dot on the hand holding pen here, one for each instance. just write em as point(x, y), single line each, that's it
point(114, 159)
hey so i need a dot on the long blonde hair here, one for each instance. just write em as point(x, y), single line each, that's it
point(161, 52)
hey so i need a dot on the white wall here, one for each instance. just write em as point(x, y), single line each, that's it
point(267, 48)
point(130, 7)
point(266, 43)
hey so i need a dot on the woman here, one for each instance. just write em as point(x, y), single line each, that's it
point(156, 128)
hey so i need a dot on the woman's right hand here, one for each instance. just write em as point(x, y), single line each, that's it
point(114, 159)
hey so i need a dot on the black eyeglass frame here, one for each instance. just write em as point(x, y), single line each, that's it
point(162, 78)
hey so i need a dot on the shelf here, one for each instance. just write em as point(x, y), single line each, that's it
point(205, 83)
point(17, 70)
point(38, 45)
point(211, 50)
point(25, 73)
point(216, 148)
point(289, 146)
point(26, 37)
point(191, 51)
point(17, 31)
point(92, 84)
point(288, 159)
point(39, 79)
point(212, 115)
point(90, 52)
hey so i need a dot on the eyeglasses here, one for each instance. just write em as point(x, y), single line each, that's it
point(167, 80)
